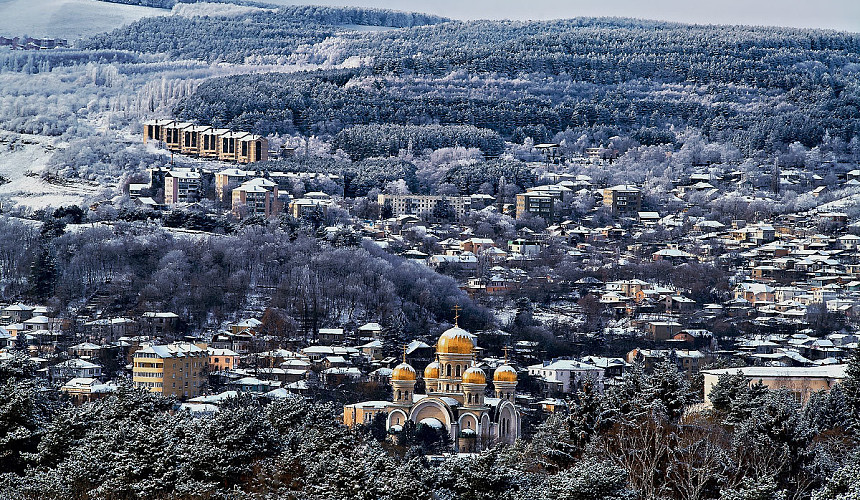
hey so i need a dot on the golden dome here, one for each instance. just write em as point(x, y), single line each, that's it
point(505, 373)
point(474, 375)
point(432, 370)
point(456, 341)
point(403, 372)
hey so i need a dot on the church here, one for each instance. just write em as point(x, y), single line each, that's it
point(454, 399)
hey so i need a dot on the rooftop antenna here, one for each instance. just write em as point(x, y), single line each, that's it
point(457, 315)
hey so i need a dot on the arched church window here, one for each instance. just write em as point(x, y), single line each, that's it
point(470, 399)
point(458, 370)
point(448, 370)
point(398, 394)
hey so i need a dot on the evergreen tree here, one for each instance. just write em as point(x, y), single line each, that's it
point(43, 274)
point(851, 390)
point(761, 488)
point(668, 387)
point(586, 481)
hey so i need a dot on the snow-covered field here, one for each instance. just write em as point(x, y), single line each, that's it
point(22, 160)
point(69, 19)
point(212, 9)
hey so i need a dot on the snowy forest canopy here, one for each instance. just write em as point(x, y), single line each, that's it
point(760, 88)
point(260, 33)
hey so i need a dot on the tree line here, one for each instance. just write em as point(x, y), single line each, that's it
point(638, 440)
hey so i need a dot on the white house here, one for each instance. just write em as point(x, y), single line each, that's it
point(566, 375)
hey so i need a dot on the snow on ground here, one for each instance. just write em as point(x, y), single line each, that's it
point(849, 201)
point(202, 9)
point(69, 19)
point(22, 160)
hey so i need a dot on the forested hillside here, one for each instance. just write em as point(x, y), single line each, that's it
point(756, 87)
point(234, 38)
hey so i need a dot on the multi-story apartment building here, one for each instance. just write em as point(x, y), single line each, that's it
point(423, 205)
point(312, 201)
point(192, 139)
point(172, 135)
point(153, 130)
point(175, 370)
point(557, 191)
point(252, 148)
point(207, 142)
point(210, 146)
point(257, 196)
point(623, 198)
point(538, 204)
point(181, 186)
point(229, 179)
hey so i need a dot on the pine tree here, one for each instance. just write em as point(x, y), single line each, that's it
point(43, 275)
point(586, 481)
point(754, 489)
point(668, 387)
point(851, 390)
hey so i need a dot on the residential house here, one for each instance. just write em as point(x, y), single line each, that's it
point(84, 390)
point(74, 368)
point(172, 137)
point(211, 142)
point(566, 375)
point(222, 359)
point(153, 130)
point(191, 139)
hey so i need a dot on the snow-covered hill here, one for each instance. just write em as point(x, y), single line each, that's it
point(22, 160)
point(69, 19)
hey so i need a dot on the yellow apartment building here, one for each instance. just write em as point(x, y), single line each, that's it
point(176, 370)
point(153, 130)
point(252, 148)
point(173, 135)
point(206, 142)
point(192, 139)
point(210, 145)
point(228, 179)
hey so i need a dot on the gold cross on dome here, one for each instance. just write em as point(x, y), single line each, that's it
point(506, 353)
point(457, 309)
point(405, 347)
